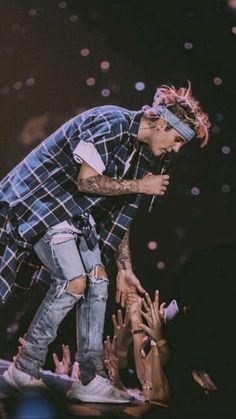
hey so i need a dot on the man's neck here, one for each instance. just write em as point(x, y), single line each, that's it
point(146, 129)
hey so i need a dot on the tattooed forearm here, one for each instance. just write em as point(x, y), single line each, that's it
point(104, 185)
point(123, 257)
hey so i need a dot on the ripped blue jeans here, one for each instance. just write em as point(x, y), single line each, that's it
point(67, 255)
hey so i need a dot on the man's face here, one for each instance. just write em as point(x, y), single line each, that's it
point(162, 141)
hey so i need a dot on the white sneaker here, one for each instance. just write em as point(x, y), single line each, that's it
point(99, 390)
point(19, 379)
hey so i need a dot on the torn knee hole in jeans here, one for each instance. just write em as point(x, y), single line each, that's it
point(100, 287)
point(64, 288)
point(76, 286)
point(98, 274)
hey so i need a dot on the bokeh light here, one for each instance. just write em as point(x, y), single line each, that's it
point(195, 191)
point(139, 86)
point(62, 4)
point(104, 65)
point(84, 52)
point(188, 45)
point(225, 188)
point(226, 149)
point(17, 85)
point(215, 129)
point(90, 81)
point(73, 18)
point(161, 265)
point(29, 82)
point(152, 245)
point(219, 117)
point(218, 81)
point(32, 12)
point(105, 92)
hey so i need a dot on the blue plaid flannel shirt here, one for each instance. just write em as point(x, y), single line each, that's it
point(42, 190)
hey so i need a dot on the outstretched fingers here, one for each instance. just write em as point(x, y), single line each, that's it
point(114, 321)
point(120, 318)
point(118, 296)
point(66, 354)
point(147, 317)
point(123, 299)
point(145, 306)
point(148, 300)
point(145, 328)
point(127, 318)
point(55, 359)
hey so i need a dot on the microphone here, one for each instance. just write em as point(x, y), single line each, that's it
point(165, 163)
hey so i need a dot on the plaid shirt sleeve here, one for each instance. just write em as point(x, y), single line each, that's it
point(104, 128)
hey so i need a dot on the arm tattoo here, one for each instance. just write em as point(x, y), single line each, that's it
point(123, 257)
point(104, 185)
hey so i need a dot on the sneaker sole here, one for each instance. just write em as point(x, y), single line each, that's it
point(97, 399)
point(11, 382)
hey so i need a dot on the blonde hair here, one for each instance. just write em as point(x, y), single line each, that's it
point(185, 106)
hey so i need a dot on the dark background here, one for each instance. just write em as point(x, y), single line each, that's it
point(43, 83)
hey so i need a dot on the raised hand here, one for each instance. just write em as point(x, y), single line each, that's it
point(127, 283)
point(134, 304)
point(63, 366)
point(122, 331)
point(204, 380)
point(111, 361)
point(153, 313)
point(143, 365)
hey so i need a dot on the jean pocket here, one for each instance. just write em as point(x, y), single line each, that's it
point(61, 238)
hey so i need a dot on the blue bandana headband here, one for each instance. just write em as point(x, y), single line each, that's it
point(183, 129)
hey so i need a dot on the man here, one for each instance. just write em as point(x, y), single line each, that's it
point(81, 187)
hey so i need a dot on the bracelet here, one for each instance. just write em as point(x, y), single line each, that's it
point(161, 342)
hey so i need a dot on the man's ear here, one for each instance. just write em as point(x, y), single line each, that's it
point(161, 124)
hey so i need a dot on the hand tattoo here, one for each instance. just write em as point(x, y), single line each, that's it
point(104, 185)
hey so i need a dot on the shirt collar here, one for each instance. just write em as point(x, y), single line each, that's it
point(135, 122)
